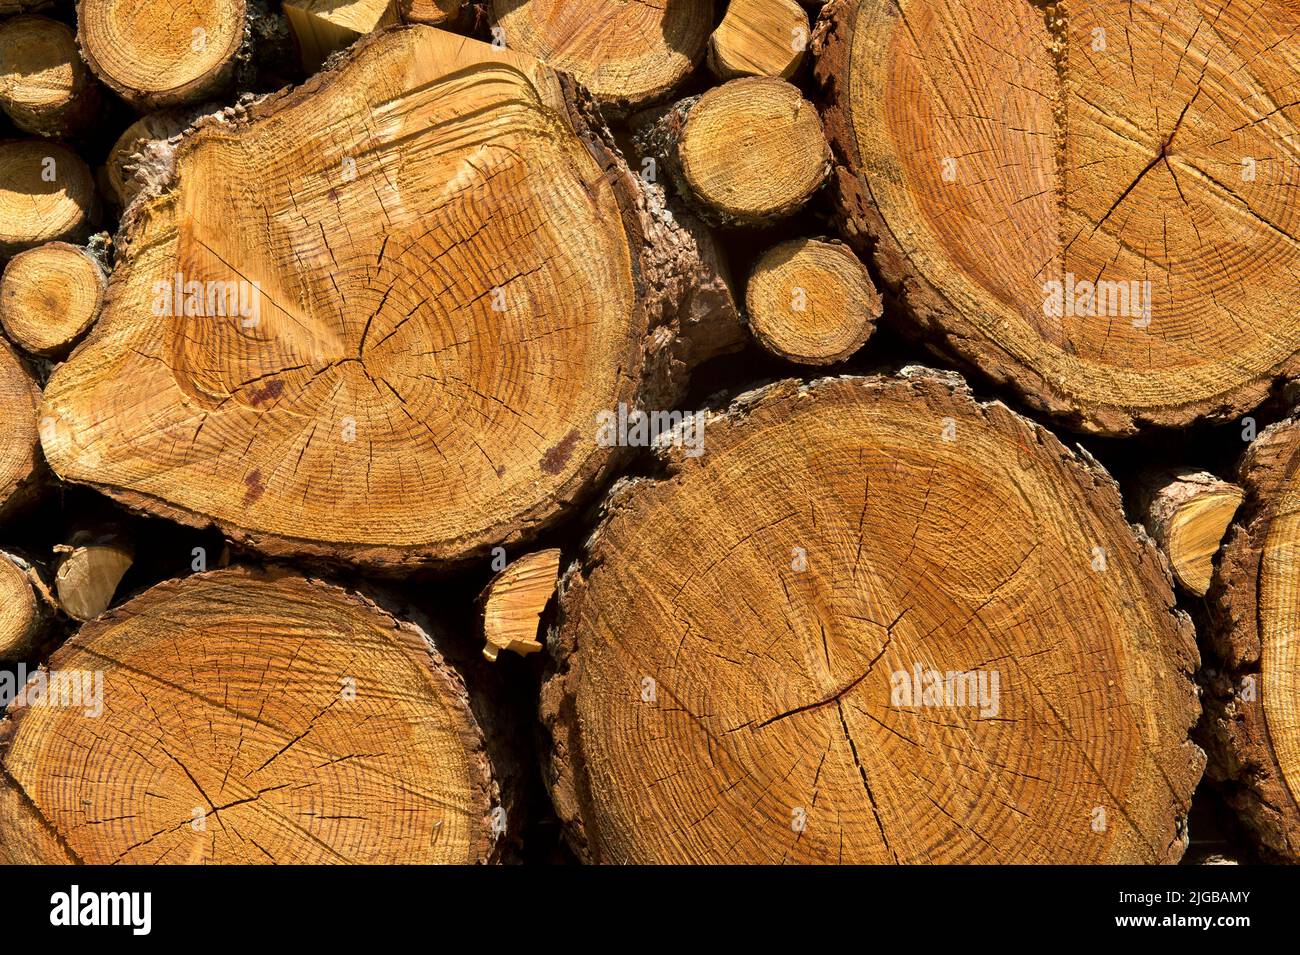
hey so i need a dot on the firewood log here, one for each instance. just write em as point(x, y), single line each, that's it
point(875, 621)
point(746, 153)
point(628, 55)
point(50, 295)
point(1070, 195)
point(88, 569)
point(20, 454)
point(26, 605)
point(433, 12)
point(48, 193)
point(45, 87)
point(1253, 678)
point(159, 53)
point(405, 359)
point(247, 717)
point(811, 301)
point(514, 601)
point(322, 27)
point(759, 38)
point(1187, 513)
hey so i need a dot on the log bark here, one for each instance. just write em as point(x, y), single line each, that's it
point(50, 296)
point(160, 53)
point(45, 87)
point(735, 656)
point(1252, 725)
point(629, 55)
point(252, 717)
point(26, 605)
point(21, 467)
point(322, 27)
point(514, 600)
point(1187, 512)
point(811, 301)
point(423, 344)
point(88, 569)
point(760, 38)
point(125, 155)
point(746, 153)
point(1047, 206)
point(48, 195)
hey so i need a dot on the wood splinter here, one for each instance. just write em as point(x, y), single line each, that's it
point(514, 600)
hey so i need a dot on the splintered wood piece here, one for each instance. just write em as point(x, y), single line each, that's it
point(514, 600)
point(1253, 690)
point(19, 439)
point(811, 301)
point(49, 296)
point(627, 54)
point(120, 165)
point(1093, 209)
point(1187, 513)
point(247, 717)
point(876, 621)
point(45, 87)
point(759, 38)
point(322, 27)
point(375, 318)
point(46, 192)
point(89, 568)
point(156, 53)
point(26, 606)
point(433, 12)
point(745, 153)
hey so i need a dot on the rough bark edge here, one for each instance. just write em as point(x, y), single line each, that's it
point(933, 321)
point(563, 757)
point(684, 305)
point(410, 634)
point(1235, 731)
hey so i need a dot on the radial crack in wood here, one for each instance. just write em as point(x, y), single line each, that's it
point(1088, 202)
point(376, 318)
point(241, 717)
point(875, 621)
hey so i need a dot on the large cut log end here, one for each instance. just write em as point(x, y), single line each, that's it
point(875, 621)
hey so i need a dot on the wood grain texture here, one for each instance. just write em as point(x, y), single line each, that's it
point(726, 653)
point(227, 734)
point(1097, 142)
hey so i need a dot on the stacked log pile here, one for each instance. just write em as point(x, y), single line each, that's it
point(741, 431)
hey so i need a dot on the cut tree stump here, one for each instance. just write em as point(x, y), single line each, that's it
point(811, 301)
point(26, 605)
point(322, 27)
point(759, 38)
point(237, 717)
point(49, 296)
point(20, 452)
point(1094, 209)
point(1187, 513)
point(158, 53)
point(1252, 703)
point(514, 600)
point(746, 153)
point(874, 622)
point(88, 569)
point(628, 55)
point(442, 272)
point(45, 87)
point(47, 192)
